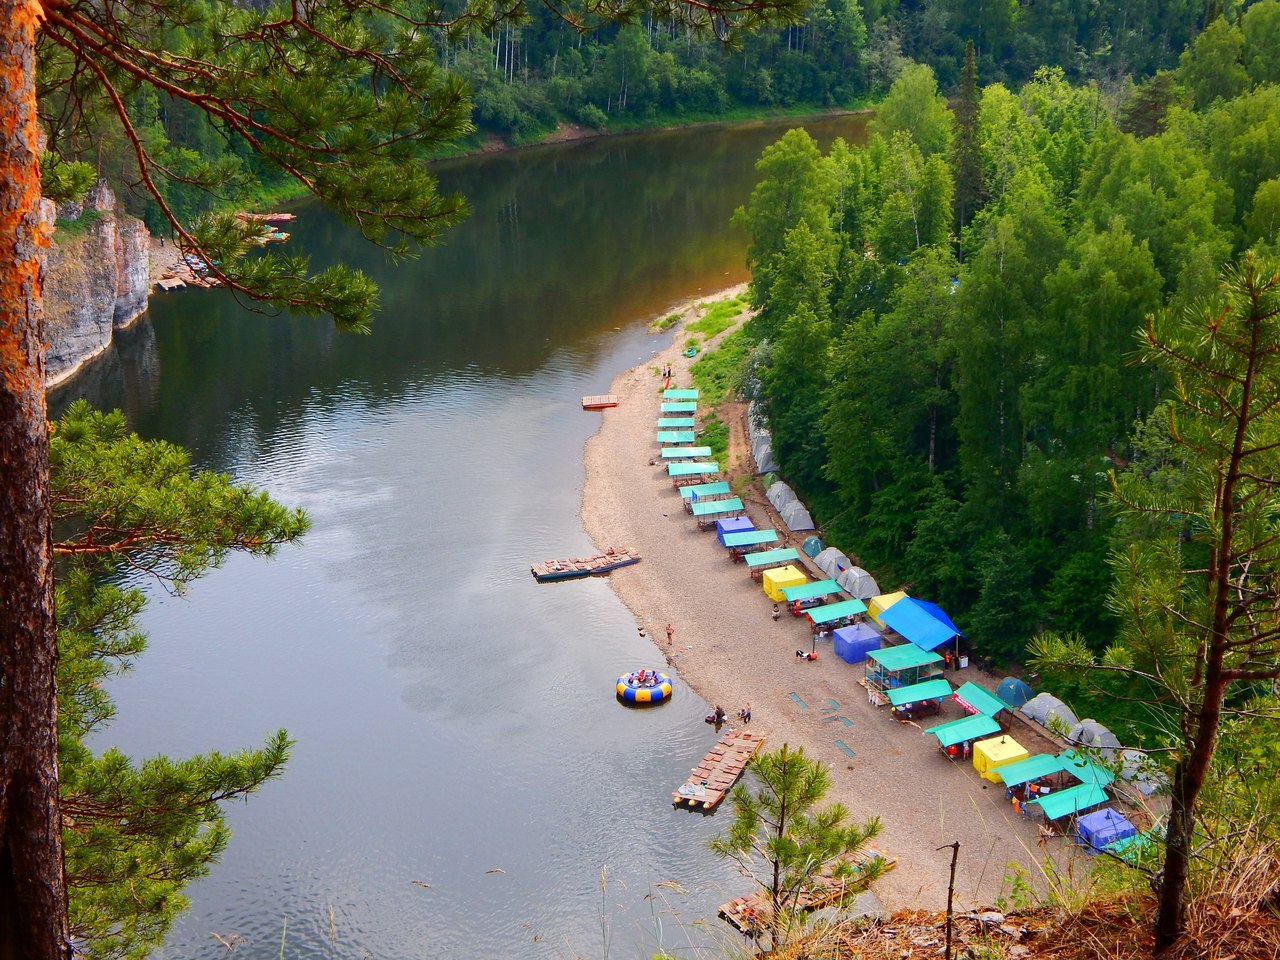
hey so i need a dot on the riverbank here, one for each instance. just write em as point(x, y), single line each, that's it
point(730, 651)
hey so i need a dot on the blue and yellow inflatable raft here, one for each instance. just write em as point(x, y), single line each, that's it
point(644, 688)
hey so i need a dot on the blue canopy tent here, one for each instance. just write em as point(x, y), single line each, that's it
point(729, 525)
point(1014, 692)
point(1098, 830)
point(924, 624)
point(852, 643)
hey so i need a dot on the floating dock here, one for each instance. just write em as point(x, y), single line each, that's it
point(600, 401)
point(550, 570)
point(750, 915)
point(718, 772)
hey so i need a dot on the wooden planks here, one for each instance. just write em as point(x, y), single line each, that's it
point(600, 401)
point(750, 915)
point(718, 772)
point(584, 566)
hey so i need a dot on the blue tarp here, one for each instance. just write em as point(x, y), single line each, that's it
point(1102, 827)
point(852, 644)
point(919, 622)
point(732, 525)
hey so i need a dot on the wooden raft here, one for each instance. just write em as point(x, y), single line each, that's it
point(600, 401)
point(718, 772)
point(750, 915)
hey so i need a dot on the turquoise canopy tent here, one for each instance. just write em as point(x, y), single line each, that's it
point(966, 728)
point(707, 508)
point(675, 423)
point(770, 558)
point(903, 657)
point(684, 406)
point(829, 612)
point(750, 538)
point(808, 591)
point(1032, 768)
point(934, 689)
point(677, 453)
point(692, 469)
point(675, 436)
point(679, 394)
point(1085, 770)
point(1060, 803)
point(977, 700)
point(700, 490)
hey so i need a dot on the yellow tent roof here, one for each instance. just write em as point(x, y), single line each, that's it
point(996, 752)
point(878, 605)
point(777, 578)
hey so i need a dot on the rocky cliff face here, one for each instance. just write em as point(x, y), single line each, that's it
point(96, 281)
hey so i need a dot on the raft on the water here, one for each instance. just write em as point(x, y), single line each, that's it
point(718, 772)
point(645, 688)
point(613, 558)
point(600, 401)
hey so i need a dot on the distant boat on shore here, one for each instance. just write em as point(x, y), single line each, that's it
point(550, 570)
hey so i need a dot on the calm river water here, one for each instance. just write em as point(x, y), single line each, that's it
point(455, 722)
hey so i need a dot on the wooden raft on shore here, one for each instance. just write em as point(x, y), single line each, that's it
point(750, 915)
point(718, 772)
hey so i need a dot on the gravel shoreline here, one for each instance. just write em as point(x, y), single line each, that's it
point(731, 652)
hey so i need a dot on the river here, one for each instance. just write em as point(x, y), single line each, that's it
point(464, 784)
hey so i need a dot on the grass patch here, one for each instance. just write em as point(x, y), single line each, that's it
point(717, 374)
point(664, 323)
point(718, 317)
point(80, 225)
point(715, 434)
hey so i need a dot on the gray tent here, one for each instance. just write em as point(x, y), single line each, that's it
point(1044, 707)
point(780, 494)
point(858, 583)
point(763, 454)
point(1094, 736)
point(796, 517)
point(1138, 770)
point(832, 562)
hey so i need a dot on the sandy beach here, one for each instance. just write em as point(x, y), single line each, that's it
point(729, 649)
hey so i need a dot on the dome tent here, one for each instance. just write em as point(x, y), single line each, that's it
point(1014, 692)
point(780, 494)
point(763, 454)
point(1093, 735)
point(796, 517)
point(832, 562)
point(812, 546)
point(1045, 707)
point(857, 583)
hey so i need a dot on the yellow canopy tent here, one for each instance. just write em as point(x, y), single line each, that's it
point(778, 578)
point(996, 752)
point(878, 605)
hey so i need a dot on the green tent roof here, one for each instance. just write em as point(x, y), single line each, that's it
point(679, 394)
point(674, 423)
point(675, 436)
point(903, 657)
point(684, 406)
point(1085, 770)
point(835, 611)
point(749, 538)
point(705, 489)
point(807, 591)
point(781, 555)
point(966, 728)
point(1031, 768)
point(692, 469)
point(680, 453)
point(980, 699)
point(934, 689)
point(1083, 796)
point(705, 508)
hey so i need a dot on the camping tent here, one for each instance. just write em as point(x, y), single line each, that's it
point(780, 494)
point(1014, 692)
point(924, 624)
point(1045, 706)
point(858, 583)
point(1092, 734)
point(763, 455)
point(852, 644)
point(879, 604)
point(812, 546)
point(832, 562)
point(1138, 770)
point(796, 517)
point(1100, 829)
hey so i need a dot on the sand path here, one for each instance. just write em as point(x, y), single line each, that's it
point(731, 652)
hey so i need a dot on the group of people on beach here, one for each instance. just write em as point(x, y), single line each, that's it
point(718, 716)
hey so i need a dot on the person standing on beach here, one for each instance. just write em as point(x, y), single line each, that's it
point(745, 714)
point(776, 613)
point(670, 633)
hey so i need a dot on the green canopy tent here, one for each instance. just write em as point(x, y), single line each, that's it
point(975, 699)
point(685, 453)
point(959, 731)
point(676, 436)
point(698, 491)
point(1032, 768)
point(684, 406)
point(675, 394)
point(675, 423)
point(934, 689)
point(757, 563)
point(831, 612)
point(1085, 770)
point(1077, 799)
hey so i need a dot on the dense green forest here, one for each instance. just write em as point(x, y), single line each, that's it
point(948, 316)
point(526, 76)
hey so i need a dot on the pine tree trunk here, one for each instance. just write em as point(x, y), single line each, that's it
point(33, 914)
